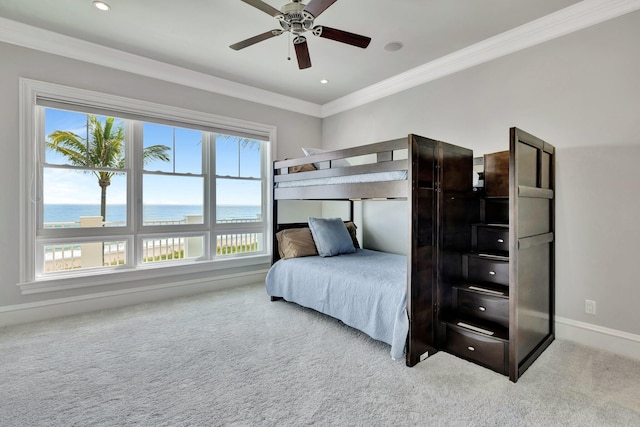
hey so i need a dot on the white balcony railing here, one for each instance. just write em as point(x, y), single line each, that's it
point(96, 254)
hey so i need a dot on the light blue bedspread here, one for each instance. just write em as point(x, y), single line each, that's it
point(366, 290)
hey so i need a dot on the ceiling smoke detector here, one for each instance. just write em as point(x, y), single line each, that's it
point(393, 46)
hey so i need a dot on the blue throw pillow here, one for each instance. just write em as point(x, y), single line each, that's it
point(331, 236)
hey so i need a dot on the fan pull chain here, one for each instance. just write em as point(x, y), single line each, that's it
point(289, 47)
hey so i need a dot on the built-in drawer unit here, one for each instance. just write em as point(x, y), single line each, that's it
point(482, 303)
point(486, 350)
point(493, 239)
point(483, 268)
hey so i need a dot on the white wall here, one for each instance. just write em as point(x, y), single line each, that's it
point(581, 93)
point(385, 226)
point(292, 130)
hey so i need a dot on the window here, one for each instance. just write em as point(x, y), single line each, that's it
point(122, 185)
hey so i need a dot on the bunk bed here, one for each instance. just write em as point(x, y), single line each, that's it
point(479, 269)
point(435, 180)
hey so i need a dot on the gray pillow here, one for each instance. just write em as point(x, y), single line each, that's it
point(331, 236)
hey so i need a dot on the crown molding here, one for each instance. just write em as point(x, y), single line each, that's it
point(58, 44)
point(573, 18)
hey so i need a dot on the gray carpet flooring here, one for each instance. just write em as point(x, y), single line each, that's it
point(234, 358)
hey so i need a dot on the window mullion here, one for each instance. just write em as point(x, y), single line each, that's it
point(266, 186)
point(211, 190)
point(135, 189)
point(173, 147)
point(35, 205)
point(36, 190)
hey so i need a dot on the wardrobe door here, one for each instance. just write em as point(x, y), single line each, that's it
point(457, 209)
point(421, 267)
point(531, 249)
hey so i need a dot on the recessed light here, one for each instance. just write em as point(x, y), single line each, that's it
point(393, 46)
point(100, 5)
point(324, 81)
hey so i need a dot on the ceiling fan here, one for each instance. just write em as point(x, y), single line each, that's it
point(297, 18)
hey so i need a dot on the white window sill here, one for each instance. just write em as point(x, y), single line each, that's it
point(120, 276)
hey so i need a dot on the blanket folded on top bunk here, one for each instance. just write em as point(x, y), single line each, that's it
point(366, 290)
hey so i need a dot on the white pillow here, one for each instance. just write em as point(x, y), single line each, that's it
point(338, 163)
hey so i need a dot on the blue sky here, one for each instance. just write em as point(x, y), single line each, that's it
point(63, 186)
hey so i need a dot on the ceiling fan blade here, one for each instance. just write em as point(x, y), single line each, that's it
point(255, 39)
point(341, 36)
point(316, 7)
point(302, 52)
point(258, 4)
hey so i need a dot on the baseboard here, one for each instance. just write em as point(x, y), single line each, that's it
point(43, 310)
point(618, 342)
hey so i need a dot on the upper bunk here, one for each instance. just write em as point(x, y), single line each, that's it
point(393, 169)
point(380, 170)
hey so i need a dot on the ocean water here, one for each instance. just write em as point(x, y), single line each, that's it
point(56, 213)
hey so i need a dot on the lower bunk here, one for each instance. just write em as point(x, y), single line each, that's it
point(364, 289)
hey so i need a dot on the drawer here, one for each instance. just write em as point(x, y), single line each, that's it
point(483, 269)
point(476, 347)
point(492, 239)
point(481, 306)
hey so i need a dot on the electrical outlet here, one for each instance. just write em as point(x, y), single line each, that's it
point(589, 306)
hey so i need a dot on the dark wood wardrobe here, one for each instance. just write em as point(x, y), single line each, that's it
point(442, 205)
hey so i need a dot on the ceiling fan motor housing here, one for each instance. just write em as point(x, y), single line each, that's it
point(294, 19)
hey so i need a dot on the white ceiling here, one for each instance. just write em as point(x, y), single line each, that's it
point(196, 35)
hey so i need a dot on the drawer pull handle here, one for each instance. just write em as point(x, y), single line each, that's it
point(500, 241)
point(481, 308)
point(493, 273)
point(471, 348)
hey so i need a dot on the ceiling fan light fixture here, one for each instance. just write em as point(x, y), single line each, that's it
point(102, 6)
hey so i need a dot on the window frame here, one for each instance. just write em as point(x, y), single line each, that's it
point(33, 235)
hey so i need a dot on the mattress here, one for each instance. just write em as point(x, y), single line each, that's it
point(366, 290)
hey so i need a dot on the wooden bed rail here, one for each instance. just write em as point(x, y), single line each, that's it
point(383, 150)
point(382, 159)
point(387, 166)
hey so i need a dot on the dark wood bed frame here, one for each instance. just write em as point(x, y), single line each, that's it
point(427, 161)
point(443, 207)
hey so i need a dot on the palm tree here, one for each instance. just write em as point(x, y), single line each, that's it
point(103, 149)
